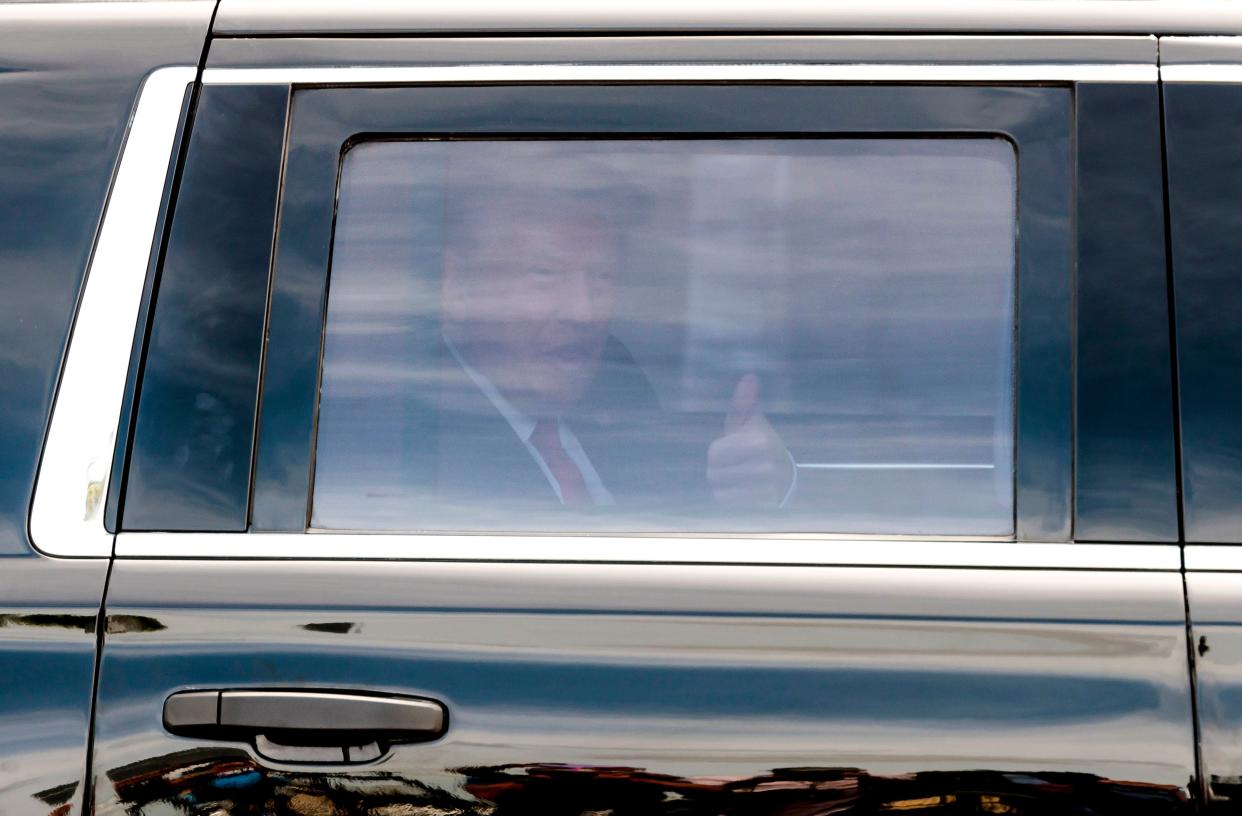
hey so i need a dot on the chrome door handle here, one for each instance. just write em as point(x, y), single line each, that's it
point(306, 726)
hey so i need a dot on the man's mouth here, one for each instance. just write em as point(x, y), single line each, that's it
point(571, 353)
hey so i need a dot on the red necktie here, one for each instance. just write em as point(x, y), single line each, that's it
point(546, 438)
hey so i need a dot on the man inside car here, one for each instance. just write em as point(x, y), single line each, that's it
point(545, 398)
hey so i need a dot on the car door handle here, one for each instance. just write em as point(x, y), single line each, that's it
point(306, 726)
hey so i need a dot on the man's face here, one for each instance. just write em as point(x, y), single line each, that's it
point(529, 289)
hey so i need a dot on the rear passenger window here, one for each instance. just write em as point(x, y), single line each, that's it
point(719, 335)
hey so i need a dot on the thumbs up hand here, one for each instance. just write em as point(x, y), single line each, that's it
point(748, 464)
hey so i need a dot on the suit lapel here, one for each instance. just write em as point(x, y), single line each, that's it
point(477, 448)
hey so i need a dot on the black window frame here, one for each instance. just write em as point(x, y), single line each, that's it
point(1095, 449)
point(326, 121)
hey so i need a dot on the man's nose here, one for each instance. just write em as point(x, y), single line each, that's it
point(580, 299)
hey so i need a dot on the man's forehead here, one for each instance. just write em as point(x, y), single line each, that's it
point(530, 164)
point(526, 217)
point(547, 209)
point(547, 181)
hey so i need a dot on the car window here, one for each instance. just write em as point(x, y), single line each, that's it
point(1204, 213)
point(677, 335)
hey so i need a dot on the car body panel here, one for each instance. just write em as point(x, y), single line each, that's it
point(710, 49)
point(273, 17)
point(73, 75)
point(1214, 603)
point(1203, 121)
point(653, 689)
point(70, 77)
point(600, 687)
point(48, 613)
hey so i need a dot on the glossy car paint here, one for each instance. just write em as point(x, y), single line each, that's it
point(982, 52)
point(1203, 127)
point(48, 612)
point(663, 689)
point(69, 75)
point(577, 688)
point(1215, 601)
point(620, 689)
point(1022, 17)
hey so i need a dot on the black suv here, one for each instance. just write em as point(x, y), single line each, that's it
point(621, 409)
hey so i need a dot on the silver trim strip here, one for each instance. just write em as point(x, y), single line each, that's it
point(308, 17)
point(1198, 50)
point(774, 72)
point(66, 517)
point(637, 549)
point(1213, 558)
point(1202, 72)
point(701, 48)
point(891, 466)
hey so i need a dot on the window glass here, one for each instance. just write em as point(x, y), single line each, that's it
point(718, 335)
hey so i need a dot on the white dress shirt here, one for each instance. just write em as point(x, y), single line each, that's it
point(523, 426)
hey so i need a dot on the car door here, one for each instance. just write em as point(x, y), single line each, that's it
point(1203, 106)
point(71, 78)
point(854, 525)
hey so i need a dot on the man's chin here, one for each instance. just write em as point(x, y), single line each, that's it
point(550, 402)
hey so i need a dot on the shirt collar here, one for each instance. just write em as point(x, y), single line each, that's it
point(522, 424)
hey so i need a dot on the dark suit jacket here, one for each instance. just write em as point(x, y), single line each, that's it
point(470, 470)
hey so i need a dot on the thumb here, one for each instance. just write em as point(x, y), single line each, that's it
point(744, 403)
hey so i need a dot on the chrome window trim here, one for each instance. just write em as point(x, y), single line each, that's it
point(81, 436)
point(1213, 558)
point(311, 17)
point(1202, 72)
point(688, 72)
point(1201, 59)
point(701, 48)
point(766, 550)
point(66, 516)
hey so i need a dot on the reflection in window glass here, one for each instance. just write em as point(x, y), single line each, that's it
point(671, 335)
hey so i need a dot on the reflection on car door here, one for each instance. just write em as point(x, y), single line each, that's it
point(625, 674)
point(1203, 103)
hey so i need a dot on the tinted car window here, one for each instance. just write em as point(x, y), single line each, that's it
point(1205, 169)
point(693, 334)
